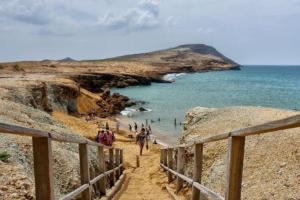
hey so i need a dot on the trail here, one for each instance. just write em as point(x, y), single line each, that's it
point(145, 182)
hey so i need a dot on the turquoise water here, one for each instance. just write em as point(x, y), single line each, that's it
point(269, 86)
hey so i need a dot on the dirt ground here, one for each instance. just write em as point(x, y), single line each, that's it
point(145, 182)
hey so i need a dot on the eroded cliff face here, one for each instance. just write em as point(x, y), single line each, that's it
point(31, 101)
point(272, 160)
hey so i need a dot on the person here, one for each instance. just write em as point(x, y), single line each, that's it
point(143, 126)
point(135, 126)
point(140, 139)
point(175, 123)
point(158, 120)
point(98, 137)
point(110, 138)
point(130, 127)
point(106, 126)
point(147, 138)
point(150, 130)
point(103, 137)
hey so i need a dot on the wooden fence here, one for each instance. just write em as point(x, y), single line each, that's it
point(43, 164)
point(236, 145)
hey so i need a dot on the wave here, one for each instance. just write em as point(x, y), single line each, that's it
point(129, 112)
point(172, 76)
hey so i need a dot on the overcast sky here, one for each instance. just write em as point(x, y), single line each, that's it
point(248, 31)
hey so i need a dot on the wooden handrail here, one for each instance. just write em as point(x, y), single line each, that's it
point(42, 154)
point(277, 125)
point(236, 147)
point(23, 131)
point(197, 185)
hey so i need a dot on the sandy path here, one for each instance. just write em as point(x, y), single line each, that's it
point(145, 182)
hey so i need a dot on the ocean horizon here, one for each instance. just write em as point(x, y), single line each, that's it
point(276, 86)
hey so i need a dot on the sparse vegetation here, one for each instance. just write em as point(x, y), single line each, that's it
point(16, 67)
point(53, 66)
point(1, 67)
point(4, 156)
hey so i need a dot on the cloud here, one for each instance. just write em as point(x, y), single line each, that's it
point(144, 16)
point(31, 11)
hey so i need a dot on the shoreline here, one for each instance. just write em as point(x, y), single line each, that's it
point(162, 138)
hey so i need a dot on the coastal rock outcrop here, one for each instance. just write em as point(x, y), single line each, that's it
point(271, 165)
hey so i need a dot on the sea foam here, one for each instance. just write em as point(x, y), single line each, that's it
point(173, 76)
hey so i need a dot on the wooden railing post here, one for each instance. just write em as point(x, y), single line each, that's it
point(235, 161)
point(111, 166)
point(121, 161)
point(165, 157)
point(102, 169)
point(180, 168)
point(43, 171)
point(170, 163)
point(84, 170)
point(161, 156)
point(198, 160)
point(117, 163)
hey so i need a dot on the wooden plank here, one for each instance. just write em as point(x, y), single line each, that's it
point(287, 123)
point(170, 163)
point(97, 178)
point(197, 172)
point(137, 161)
point(76, 192)
point(208, 192)
point(117, 163)
point(212, 195)
point(111, 167)
point(180, 168)
point(43, 170)
point(165, 159)
point(121, 160)
point(161, 156)
point(19, 130)
point(235, 158)
point(84, 170)
point(102, 169)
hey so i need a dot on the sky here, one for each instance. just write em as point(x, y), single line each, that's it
point(247, 31)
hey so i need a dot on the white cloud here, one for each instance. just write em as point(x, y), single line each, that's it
point(144, 16)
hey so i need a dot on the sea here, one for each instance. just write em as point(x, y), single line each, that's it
point(267, 86)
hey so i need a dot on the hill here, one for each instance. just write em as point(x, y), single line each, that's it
point(193, 56)
point(184, 58)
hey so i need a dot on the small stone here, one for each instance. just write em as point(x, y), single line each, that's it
point(283, 164)
point(286, 185)
point(3, 188)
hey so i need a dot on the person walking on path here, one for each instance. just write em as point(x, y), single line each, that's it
point(141, 139)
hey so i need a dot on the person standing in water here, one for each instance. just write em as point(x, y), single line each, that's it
point(135, 126)
point(141, 139)
point(130, 127)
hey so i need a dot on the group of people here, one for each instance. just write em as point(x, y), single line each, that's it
point(105, 137)
point(143, 136)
